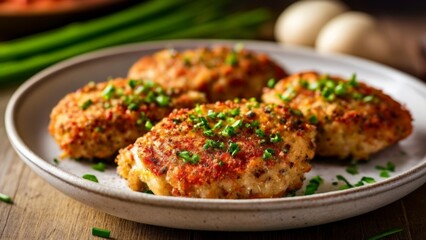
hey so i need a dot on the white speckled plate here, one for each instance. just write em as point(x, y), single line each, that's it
point(27, 117)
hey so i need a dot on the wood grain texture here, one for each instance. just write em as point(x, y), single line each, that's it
point(42, 212)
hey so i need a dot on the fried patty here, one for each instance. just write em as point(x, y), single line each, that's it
point(221, 73)
point(353, 119)
point(100, 118)
point(222, 150)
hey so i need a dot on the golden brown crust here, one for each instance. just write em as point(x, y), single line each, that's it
point(222, 150)
point(353, 119)
point(220, 72)
point(98, 119)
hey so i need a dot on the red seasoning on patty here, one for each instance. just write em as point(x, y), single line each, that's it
point(223, 150)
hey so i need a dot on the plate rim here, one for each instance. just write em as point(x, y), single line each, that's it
point(318, 199)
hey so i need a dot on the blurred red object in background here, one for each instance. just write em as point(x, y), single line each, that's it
point(23, 17)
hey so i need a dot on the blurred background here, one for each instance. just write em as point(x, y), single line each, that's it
point(25, 18)
point(402, 26)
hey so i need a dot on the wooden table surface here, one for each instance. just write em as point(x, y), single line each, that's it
point(42, 212)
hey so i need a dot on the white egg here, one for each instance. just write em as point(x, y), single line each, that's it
point(301, 22)
point(357, 34)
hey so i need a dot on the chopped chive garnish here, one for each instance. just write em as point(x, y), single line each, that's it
point(86, 104)
point(237, 124)
point(140, 89)
point(209, 144)
point(221, 115)
point(384, 174)
point(56, 161)
point(313, 185)
point(368, 98)
point(288, 95)
point(330, 84)
point(313, 119)
point(347, 183)
point(149, 98)
point(108, 91)
point(357, 96)
point(211, 114)
point(327, 92)
point(234, 112)
point(5, 198)
point(90, 177)
point(352, 169)
point(132, 83)
point(100, 166)
point(201, 123)
point(213, 144)
point(340, 89)
point(313, 86)
point(133, 106)
point(208, 133)
point(119, 91)
point(368, 179)
point(364, 180)
point(218, 125)
point(276, 138)
point(159, 90)
point(389, 167)
point(385, 233)
point(231, 59)
point(384, 170)
point(142, 119)
point(148, 124)
point(189, 157)
point(99, 232)
point(304, 83)
point(268, 153)
point(255, 124)
point(233, 148)
point(260, 132)
point(271, 83)
point(352, 81)
point(162, 100)
point(228, 131)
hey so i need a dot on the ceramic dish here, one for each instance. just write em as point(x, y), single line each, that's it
point(27, 117)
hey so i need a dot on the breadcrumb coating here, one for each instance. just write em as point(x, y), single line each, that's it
point(224, 150)
point(353, 119)
point(100, 118)
point(222, 73)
